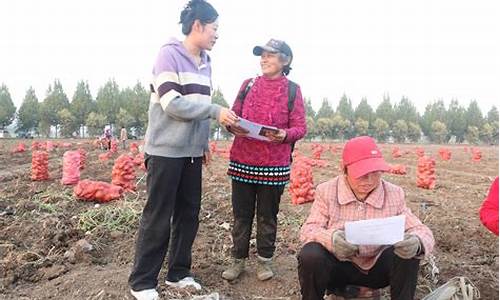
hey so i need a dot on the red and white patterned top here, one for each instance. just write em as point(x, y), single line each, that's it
point(336, 204)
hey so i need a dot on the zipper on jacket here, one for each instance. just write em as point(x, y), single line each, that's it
point(192, 160)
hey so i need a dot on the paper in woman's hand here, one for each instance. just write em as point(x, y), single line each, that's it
point(256, 130)
point(384, 231)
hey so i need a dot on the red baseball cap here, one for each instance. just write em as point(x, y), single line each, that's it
point(362, 156)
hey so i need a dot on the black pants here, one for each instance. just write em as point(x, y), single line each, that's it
point(244, 198)
point(174, 196)
point(316, 262)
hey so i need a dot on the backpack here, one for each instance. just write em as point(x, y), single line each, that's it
point(292, 92)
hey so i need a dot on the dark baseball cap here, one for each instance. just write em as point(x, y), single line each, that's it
point(274, 46)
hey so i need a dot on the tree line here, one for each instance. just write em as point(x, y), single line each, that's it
point(127, 107)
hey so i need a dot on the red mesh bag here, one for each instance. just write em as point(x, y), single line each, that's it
point(71, 167)
point(99, 191)
point(420, 152)
point(49, 146)
point(317, 150)
point(139, 161)
point(398, 169)
point(335, 149)
point(105, 156)
point(124, 173)
point(39, 165)
point(114, 146)
point(36, 146)
point(426, 177)
point(134, 148)
point(476, 155)
point(301, 182)
point(444, 153)
point(396, 152)
point(83, 158)
point(19, 148)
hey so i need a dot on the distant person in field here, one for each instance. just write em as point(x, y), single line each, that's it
point(176, 144)
point(108, 136)
point(260, 169)
point(328, 261)
point(123, 137)
point(489, 209)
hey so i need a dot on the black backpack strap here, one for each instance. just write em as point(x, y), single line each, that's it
point(292, 92)
point(242, 95)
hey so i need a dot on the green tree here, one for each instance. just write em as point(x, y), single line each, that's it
point(124, 118)
point(486, 134)
point(95, 123)
point(82, 105)
point(473, 115)
point(215, 128)
point(385, 111)
point(405, 110)
point(308, 108)
point(8, 110)
point(361, 126)
point(136, 102)
point(364, 111)
point(68, 122)
point(414, 132)
point(400, 131)
point(439, 132)
point(55, 101)
point(28, 115)
point(345, 110)
point(492, 118)
point(108, 101)
point(340, 126)
point(492, 115)
point(326, 110)
point(311, 128)
point(456, 122)
point(472, 135)
point(435, 111)
point(324, 128)
point(381, 130)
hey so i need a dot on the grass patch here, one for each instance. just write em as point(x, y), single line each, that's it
point(121, 219)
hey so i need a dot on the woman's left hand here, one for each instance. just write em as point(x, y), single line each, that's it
point(277, 137)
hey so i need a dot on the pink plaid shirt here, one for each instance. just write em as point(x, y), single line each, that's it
point(336, 204)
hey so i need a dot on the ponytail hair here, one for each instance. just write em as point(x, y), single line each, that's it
point(197, 10)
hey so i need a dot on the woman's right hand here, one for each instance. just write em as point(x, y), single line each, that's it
point(227, 117)
point(237, 130)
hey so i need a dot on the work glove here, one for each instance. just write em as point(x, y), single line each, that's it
point(342, 249)
point(409, 247)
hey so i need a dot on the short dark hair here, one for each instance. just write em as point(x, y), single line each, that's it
point(197, 10)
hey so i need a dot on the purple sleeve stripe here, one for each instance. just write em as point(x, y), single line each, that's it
point(191, 88)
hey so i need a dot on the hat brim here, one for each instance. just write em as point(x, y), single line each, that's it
point(366, 166)
point(257, 50)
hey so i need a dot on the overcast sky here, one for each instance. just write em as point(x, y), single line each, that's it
point(425, 50)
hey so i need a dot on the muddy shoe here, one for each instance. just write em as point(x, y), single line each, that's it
point(264, 268)
point(234, 270)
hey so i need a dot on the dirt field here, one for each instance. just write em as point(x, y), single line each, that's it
point(41, 223)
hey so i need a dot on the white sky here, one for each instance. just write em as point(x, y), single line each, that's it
point(425, 50)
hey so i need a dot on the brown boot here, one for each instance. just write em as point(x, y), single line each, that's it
point(234, 270)
point(264, 268)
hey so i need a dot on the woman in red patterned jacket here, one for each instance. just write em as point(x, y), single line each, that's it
point(489, 209)
point(260, 169)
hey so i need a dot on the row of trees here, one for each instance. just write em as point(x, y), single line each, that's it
point(112, 106)
point(128, 107)
point(402, 122)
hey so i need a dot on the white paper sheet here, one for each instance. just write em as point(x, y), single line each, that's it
point(255, 130)
point(385, 231)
